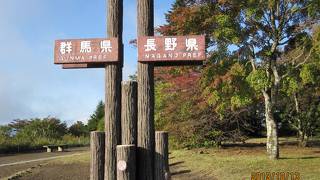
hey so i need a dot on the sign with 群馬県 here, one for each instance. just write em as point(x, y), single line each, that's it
point(81, 51)
point(171, 48)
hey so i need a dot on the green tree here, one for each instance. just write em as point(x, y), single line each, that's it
point(5, 131)
point(48, 128)
point(5, 134)
point(101, 124)
point(258, 31)
point(300, 84)
point(96, 117)
point(78, 129)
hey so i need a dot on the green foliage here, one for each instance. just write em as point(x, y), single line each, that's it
point(248, 45)
point(162, 99)
point(307, 74)
point(225, 86)
point(96, 116)
point(101, 124)
point(237, 69)
point(5, 131)
point(50, 128)
point(290, 85)
point(78, 129)
point(316, 42)
point(238, 101)
point(133, 77)
point(213, 97)
point(26, 135)
point(258, 80)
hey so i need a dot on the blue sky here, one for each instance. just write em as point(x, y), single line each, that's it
point(30, 84)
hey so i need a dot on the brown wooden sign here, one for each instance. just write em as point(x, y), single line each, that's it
point(82, 51)
point(83, 66)
point(171, 48)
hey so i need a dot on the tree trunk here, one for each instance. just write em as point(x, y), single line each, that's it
point(145, 124)
point(302, 138)
point(113, 76)
point(272, 129)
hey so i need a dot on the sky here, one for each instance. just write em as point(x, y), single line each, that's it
point(30, 84)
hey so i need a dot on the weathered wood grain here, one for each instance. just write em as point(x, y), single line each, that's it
point(113, 78)
point(126, 162)
point(146, 137)
point(97, 145)
point(129, 112)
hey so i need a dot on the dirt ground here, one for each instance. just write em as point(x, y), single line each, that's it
point(53, 171)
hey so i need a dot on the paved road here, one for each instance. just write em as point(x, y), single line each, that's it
point(37, 160)
point(13, 163)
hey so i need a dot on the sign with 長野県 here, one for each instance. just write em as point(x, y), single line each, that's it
point(171, 48)
point(81, 51)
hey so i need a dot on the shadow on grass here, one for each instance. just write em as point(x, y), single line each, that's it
point(244, 145)
point(310, 157)
point(180, 172)
point(176, 163)
point(178, 169)
point(311, 143)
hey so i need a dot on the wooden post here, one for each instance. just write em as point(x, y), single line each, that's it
point(161, 162)
point(129, 112)
point(145, 96)
point(126, 162)
point(97, 143)
point(113, 74)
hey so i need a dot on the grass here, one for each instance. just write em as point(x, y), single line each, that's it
point(240, 162)
point(237, 161)
point(78, 158)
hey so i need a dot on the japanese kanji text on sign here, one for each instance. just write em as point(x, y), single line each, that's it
point(86, 51)
point(171, 48)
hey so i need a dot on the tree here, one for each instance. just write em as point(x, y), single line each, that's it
point(5, 133)
point(48, 128)
point(96, 117)
point(133, 77)
point(300, 84)
point(180, 107)
point(78, 129)
point(258, 32)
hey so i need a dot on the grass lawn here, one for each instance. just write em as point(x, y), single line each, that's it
point(238, 162)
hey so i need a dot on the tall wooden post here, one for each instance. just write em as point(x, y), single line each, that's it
point(129, 112)
point(126, 162)
point(161, 163)
point(97, 143)
point(113, 75)
point(145, 96)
